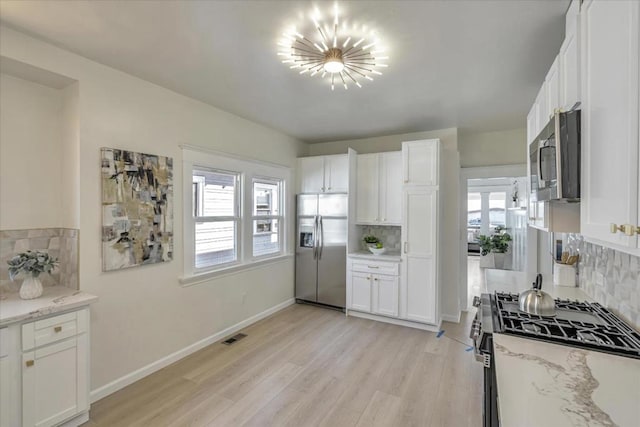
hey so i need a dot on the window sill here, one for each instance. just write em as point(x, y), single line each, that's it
point(230, 271)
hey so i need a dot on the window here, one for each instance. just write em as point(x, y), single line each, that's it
point(234, 213)
point(266, 217)
point(217, 217)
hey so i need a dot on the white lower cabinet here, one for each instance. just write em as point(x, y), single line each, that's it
point(373, 286)
point(49, 362)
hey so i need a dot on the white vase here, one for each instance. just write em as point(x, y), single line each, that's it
point(31, 288)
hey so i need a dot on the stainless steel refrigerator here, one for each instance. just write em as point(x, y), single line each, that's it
point(321, 249)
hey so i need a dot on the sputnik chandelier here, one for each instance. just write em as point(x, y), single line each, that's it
point(337, 52)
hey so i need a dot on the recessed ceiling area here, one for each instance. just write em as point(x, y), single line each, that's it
point(475, 65)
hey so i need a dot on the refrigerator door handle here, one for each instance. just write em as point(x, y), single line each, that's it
point(315, 237)
point(321, 235)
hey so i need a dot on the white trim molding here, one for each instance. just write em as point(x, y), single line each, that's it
point(149, 369)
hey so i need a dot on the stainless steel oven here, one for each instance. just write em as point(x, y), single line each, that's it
point(554, 159)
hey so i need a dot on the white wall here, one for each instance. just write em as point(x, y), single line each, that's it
point(449, 199)
point(30, 154)
point(143, 313)
point(507, 147)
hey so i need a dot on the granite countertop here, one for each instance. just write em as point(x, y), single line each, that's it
point(544, 384)
point(393, 256)
point(53, 300)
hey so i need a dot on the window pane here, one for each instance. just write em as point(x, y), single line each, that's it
point(266, 198)
point(215, 243)
point(497, 209)
point(214, 193)
point(266, 239)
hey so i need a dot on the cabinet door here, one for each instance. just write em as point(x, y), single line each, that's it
point(361, 292)
point(311, 174)
point(419, 235)
point(569, 60)
point(552, 85)
point(54, 382)
point(532, 125)
point(420, 162)
point(609, 119)
point(385, 295)
point(543, 109)
point(336, 173)
point(367, 189)
point(391, 188)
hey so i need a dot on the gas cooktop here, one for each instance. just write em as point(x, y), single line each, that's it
point(580, 324)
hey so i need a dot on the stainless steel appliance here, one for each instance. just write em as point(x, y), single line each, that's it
point(321, 249)
point(579, 324)
point(554, 159)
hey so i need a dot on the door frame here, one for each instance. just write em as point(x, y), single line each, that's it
point(502, 171)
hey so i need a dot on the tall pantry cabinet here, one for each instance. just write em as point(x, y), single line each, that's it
point(420, 195)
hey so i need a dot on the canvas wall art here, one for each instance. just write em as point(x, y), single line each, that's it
point(137, 209)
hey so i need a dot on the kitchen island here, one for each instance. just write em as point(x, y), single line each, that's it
point(545, 384)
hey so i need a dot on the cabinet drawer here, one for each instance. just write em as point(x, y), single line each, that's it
point(375, 267)
point(52, 329)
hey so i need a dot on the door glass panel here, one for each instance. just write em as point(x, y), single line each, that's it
point(548, 163)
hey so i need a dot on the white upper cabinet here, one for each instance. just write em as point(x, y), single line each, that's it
point(569, 59)
point(379, 189)
point(543, 109)
point(336, 174)
point(609, 74)
point(367, 193)
point(391, 188)
point(323, 174)
point(420, 162)
point(552, 87)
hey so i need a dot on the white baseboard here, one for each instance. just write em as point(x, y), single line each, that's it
point(138, 374)
point(451, 318)
point(392, 320)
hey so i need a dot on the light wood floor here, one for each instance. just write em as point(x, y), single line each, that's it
point(308, 366)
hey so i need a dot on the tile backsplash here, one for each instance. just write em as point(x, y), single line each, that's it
point(610, 277)
point(61, 243)
point(389, 235)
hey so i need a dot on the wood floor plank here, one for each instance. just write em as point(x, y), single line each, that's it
point(308, 366)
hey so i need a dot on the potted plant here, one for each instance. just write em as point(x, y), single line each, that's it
point(493, 248)
point(370, 240)
point(31, 264)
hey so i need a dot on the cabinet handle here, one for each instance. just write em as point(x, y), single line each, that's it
point(627, 229)
point(369, 278)
point(375, 278)
point(29, 363)
point(406, 181)
point(373, 266)
point(406, 244)
point(57, 329)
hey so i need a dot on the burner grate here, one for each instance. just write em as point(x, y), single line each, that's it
point(581, 324)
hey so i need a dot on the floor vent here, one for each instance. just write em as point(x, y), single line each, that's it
point(233, 339)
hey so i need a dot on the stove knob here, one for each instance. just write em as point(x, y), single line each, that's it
point(476, 301)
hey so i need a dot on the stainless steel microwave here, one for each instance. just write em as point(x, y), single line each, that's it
point(554, 159)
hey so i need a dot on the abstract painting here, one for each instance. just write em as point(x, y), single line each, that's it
point(137, 209)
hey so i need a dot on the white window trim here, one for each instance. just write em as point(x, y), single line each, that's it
point(194, 157)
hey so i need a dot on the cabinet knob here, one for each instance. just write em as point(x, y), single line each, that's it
point(369, 278)
point(406, 244)
point(406, 181)
point(29, 363)
point(57, 329)
point(375, 278)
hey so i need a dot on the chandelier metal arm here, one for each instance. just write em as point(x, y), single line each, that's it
point(354, 70)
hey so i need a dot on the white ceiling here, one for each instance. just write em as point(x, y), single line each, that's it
point(476, 65)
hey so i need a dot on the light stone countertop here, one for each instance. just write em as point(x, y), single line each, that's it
point(516, 282)
point(392, 256)
point(544, 384)
point(54, 299)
